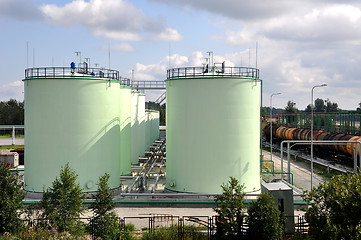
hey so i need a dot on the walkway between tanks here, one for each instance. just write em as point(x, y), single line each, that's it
point(301, 171)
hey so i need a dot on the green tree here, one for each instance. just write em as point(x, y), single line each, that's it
point(11, 197)
point(104, 223)
point(335, 213)
point(230, 210)
point(319, 105)
point(62, 202)
point(359, 107)
point(11, 112)
point(264, 219)
point(264, 113)
point(290, 108)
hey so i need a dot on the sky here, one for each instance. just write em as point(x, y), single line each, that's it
point(296, 44)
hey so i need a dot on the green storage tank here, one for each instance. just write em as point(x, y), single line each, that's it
point(213, 129)
point(125, 99)
point(134, 128)
point(76, 118)
point(155, 126)
point(141, 121)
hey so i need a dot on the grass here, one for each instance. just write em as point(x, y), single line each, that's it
point(10, 136)
point(11, 146)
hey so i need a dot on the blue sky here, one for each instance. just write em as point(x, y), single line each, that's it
point(301, 43)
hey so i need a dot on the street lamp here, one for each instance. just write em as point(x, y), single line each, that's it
point(273, 94)
point(322, 85)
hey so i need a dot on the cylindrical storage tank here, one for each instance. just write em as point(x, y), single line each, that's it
point(155, 125)
point(148, 126)
point(75, 120)
point(141, 120)
point(134, 124)
point(213, 132)
point(125, 131)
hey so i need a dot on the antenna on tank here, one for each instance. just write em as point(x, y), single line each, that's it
point(210, 57)
point(109, 54)
point(27, 54)
point(33, 57)
point(256, 52)
point(169, 53)
point(78, 54)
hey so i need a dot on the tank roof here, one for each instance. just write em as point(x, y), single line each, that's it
point(212, 71)
point(75, 72)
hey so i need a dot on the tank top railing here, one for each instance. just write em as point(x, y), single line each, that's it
point(215, 71)
point(85, 72)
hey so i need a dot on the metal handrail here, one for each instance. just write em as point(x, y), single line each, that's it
point(215, 71)
point(53, 72)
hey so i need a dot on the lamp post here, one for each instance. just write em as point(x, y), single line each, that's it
point(273, 94)
point(322, 85)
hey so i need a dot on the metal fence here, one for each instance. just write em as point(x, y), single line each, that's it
point(215, 71)
point(82, 72)
point(206, 225)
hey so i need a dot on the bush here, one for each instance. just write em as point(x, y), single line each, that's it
point(105, 223)
point(335, 213)
point(62, 203)
point(172, 233)
point(11, 197)
point(230, 211)
point(264, 219)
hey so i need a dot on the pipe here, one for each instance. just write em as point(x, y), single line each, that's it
point(318, 142)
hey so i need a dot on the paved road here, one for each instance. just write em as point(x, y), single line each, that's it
point(301, 171)
point(8, 141)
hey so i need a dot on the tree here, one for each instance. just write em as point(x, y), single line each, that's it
point(264, 219)
point(290, 108)
point(230, 210)
point(11, 198)
point(264, 113)
point(335, 213)
point(11, 112)
point(62, 202)
point(104, 223)
point(359, 107)
point(319, 105)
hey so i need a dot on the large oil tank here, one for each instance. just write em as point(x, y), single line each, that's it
point(155, 125)
point(125, 99)
point(141, 120)
point(75, 118)
point(134, 128)
point(213, 128)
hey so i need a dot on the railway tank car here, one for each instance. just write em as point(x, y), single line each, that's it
point(289, 133)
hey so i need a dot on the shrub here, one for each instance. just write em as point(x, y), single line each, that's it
point(335, 213)
point(62, 203)
point(264, 219)
point(230, 210)
point(104, 223)
point(11, 197)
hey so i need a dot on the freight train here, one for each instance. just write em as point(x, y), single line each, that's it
point(290, 133)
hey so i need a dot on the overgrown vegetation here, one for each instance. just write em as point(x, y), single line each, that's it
point(335, 213)
point(172, 233)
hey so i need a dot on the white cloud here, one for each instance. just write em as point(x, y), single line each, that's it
point(113, 19)
point(12, 90)
point(121, 47)
point(22, 10)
